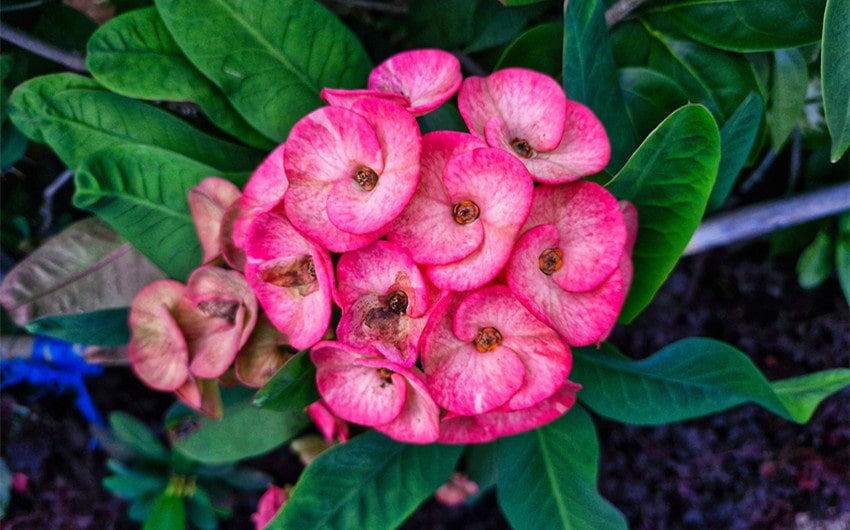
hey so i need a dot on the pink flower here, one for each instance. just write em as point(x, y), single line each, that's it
point(293, 279)
point(265, 353)
point(270, 503)
point(184, 337)
point(419, 80)
point(483, 351)
point(327, 422)
point(361, 386)
point(262, 193)
point(466, 213)
point(527, 114)
point(351, 172)
point(384, 300)
point(565, 266)
point(456, 490)
point(209, 202)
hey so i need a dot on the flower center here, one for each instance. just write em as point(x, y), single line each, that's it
point(397, 302)
point(550, 260)
point(386, 375)
point(523, 148)
point(366, 178)
point(487, 340)
point(225, 309)
point(465, 212)
point(299, 274)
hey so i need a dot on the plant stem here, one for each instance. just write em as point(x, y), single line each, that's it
point(620, 10)
point(69, 60)
point(760, 219)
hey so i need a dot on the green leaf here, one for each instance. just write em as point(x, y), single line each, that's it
point(590, 75)
point(547, 477)
point(141, 191)
point(243, 432)
point(788, 94)
point(816, 261)
point(370, 481)
point(539, 48)
point(737, 137)
point(835, 74)
point(272, 58)
point(650, 97)
point(519, 2)
point(481, 466)
point(167, 513)
point(749, 25)
point(78, 284)
point(292, 387)
point(494, 25)
point(200, 510)
point(842, 254)
point(137, 436)
point(668, 179)
point(691, 378)
point(134, 485)
point(135, 56)
point(14, 145)
point(77, 118)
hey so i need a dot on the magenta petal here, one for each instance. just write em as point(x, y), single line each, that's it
point(340, 97)
point(264, 190)
point(419, 420)
point(427, 77)
point(293, 279)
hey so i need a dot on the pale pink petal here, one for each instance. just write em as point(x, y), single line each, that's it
point(419, 420)
point(208, 202)
point(263, 191)
point(265, 353)
point(157, 349)
point(455, 492)
point(340, 97)
point(427, 77)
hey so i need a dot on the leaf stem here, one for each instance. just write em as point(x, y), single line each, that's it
point(620, 10)
point(69, 60)
point(760, 219)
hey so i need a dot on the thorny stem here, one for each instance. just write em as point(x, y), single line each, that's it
point(620, 10)
point(72, 61)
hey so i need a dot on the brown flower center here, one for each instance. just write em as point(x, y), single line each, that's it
point(225, 309)
point(386, 375)
point(366, 178)
point(523, 148)
point(299, 274)
point(397, 302)
point(487, 340)
point(550, 260)
point(465, 212)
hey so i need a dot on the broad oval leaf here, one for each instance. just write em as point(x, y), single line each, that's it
point(691, 378)
point(168, 512)
point(86, 272)
point(141, 192)
point(292, 387)
point(650, 97)
point(135, 56)
point(77, 118)
point(547, 477)
point(271, 59)
point(835, 74)
point(749, 25)
point(371, 481)
point(668, 179)
point(243, 432)
point(590, 75)
point(137, 436)
point(539, 48)
point(787, 94)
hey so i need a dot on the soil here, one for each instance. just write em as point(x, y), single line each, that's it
point(742, 469)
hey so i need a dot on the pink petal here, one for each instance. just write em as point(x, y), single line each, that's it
point(208, 202)
point(157, 349)
point(265, 353)
point(202, 395)
point(427, 77)
point(340, 97)
point(419, 420)
point(328, 424)
point(264, 190)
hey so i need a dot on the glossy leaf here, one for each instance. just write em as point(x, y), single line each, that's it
point(167, 513)
point(668, 179)
point(77, 118)
point(370, 481)
point(547, 477)
point(691, 378)
point(292, 387)
point(134, 485)
point(590, 75)
point(135, 56)
point(86, 272)
point(135, 434)
point(816, 262)
point(842, 254)
point(495, 26)
point(539, 48)
point(141, 192)
point(271, 58)
point(650, 97)
point(788, 94)
point(835, 74)
point(748, 25)
point(243, 432)
point(737, 137)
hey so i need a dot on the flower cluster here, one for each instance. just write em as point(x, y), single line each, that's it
point(465, 265)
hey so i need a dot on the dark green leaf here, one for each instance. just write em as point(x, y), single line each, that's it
point(749, 25)
point(293, 387)
point(107, 327)
point(444, 118)
point(519, 2)
point(816, 262)
point(167, 513)
point(481, 465)
point(272, 58)
point(141, 191)
point(200, 510)
point(547, 477)
point(494, 25)
point(134, 55)
point(842, 254)
point(650, 97)
point(737, 137)
point(539, 48)
point(136, 435)
point(135, 485)
point(243, 432)
point(787, 95)
point(835, 74)
point(13, 146)
point(590, 75)
point(691, 378)
point(77, 118)
point(668, 179)
point(370, 481)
